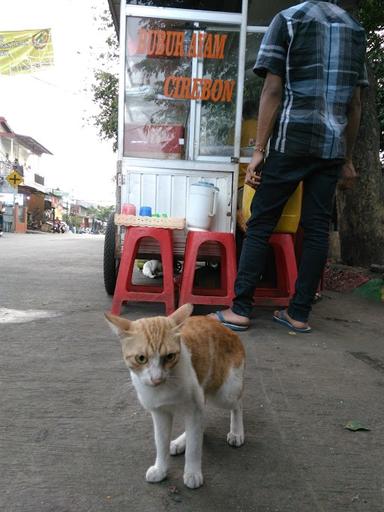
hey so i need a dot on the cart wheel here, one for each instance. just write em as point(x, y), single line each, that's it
point(111, 263)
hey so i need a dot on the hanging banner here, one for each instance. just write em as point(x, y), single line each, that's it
point(25, 51)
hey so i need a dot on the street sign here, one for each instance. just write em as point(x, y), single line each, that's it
point(14, 179)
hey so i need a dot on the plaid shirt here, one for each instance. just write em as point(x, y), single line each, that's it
point(319, 51)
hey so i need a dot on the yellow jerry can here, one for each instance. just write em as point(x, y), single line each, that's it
point(290, 218)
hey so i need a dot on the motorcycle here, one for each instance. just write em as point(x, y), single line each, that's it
point(59, 227)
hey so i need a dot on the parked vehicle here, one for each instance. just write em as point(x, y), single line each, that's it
point(59, 226)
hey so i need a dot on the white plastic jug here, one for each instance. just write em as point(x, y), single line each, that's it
point(201, 205)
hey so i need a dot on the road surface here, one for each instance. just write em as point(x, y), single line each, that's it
point(74, 438)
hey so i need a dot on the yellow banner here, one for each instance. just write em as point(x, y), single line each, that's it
point(25, 51)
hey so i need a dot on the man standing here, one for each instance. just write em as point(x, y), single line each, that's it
point(312, 58)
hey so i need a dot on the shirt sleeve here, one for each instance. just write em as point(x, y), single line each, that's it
point(273, 49)
point(362, 79)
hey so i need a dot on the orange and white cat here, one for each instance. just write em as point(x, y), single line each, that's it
point(177, 363)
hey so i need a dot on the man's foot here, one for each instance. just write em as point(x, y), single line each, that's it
point(231, 320)
point(282, 318)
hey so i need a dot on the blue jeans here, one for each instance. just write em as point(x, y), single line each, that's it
point(280, 176)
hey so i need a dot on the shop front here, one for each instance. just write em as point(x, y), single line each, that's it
point(12, 205)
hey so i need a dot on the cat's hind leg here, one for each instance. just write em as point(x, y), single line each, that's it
point(235, 436)
point(178, 445)
point(229, 397)
point(162, 422)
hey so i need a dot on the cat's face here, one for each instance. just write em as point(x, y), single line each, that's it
point(151, 346)
point(151, 349)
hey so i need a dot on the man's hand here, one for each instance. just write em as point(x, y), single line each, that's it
point(348, 175)
point(253, 175)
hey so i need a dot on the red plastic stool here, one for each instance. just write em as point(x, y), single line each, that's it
point(209, 296)
point(298, 251)
point(286, 273)
point(127, 291)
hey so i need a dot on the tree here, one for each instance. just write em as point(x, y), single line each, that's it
point(101, 213)
point(105, 94)
point(105, 88)
point(361, 210)
point(371, 14)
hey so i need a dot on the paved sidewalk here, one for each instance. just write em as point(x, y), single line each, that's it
point(74, 439)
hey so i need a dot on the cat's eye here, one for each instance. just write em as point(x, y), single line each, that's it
point(170, 357)
point(141, 359)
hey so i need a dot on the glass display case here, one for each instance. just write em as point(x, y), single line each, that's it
point(180, 89)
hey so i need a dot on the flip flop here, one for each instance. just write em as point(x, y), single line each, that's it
point(281, 319)
point(233, 327)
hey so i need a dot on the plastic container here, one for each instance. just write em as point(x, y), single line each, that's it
point(290, 218)
point(201, 205)
point(128, 209)
point(145, 211)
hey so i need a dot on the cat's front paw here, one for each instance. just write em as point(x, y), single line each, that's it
point(155, 474)
point(193, 480)
point(235, 439)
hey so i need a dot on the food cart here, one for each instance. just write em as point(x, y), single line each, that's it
point(187, 92)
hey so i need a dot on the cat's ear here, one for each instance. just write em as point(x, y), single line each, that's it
point(119, 325)
point(181, 314)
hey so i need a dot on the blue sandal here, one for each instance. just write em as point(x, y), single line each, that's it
point(281, 319)
point(233, 327)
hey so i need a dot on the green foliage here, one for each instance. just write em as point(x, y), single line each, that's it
point(371, 14)
point(106, 84)
point(72, 220)
point(105, 95)
point(100, 212)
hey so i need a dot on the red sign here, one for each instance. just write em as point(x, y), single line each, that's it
point(169, 43)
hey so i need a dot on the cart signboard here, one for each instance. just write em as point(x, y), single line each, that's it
point(14, 179)
point(170, 43)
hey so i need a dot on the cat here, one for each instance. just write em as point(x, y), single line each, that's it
point(177, 363)
point(152, 269)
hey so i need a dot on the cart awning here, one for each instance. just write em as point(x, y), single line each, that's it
point(114, 7)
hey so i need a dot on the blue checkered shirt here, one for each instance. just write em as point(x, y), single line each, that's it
point(319, 51)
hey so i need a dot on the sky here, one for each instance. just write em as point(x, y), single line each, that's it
point(53, 106)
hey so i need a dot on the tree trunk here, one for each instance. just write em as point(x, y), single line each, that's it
point(361, 210)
